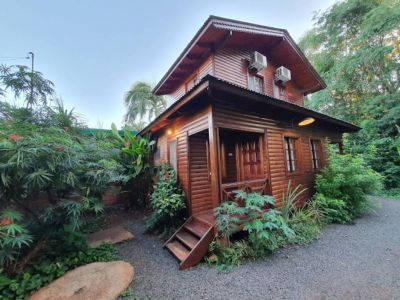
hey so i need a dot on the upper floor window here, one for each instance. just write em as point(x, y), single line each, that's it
point(291, 154)
point(316, 153)
point(255, 83)
point(191, 83)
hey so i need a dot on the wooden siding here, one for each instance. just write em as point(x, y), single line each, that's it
point(181, 128)
point(200, 181)
point(205, 68)
point(231, 64)
point(274, 159)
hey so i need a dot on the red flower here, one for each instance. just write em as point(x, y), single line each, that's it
point(5, 222)
point(14, 137)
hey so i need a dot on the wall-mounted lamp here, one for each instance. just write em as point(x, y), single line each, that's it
point(306, 121)
point(169, 131)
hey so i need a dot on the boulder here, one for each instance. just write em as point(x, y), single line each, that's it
point(99, 280)
point(112, 235)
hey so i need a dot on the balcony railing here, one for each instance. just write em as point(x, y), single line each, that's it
point(257, 185)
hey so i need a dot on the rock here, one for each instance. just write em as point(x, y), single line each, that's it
point(112, 235)
point(99, 280)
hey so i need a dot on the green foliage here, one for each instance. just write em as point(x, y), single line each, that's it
point(306, 222)
point(342, 188)
point(13, 237)
point(141, 102)
point(32, 86)
point(289, 200)
point(265, 228)
point(167, 200)
point(66, 251)
point(355, 47)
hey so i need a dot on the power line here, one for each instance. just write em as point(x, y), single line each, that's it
point(14, 57)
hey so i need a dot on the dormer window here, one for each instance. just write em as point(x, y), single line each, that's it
point(255, 83)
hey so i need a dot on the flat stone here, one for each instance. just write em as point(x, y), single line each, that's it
point(99, 280)
point(112, 235)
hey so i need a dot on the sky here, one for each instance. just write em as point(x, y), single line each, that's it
point(94, 51)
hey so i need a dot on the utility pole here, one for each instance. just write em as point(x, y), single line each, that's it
point(32, 56)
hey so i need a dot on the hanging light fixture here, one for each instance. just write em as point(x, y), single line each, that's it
point(306, 121)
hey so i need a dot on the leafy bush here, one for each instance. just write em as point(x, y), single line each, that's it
point(66, 251)
point(306, 222)
point(265, 229)
point(13, 237)
point(342, 188)
point(289, 200)
point(167, 200)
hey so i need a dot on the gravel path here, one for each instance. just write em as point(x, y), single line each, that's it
point(360, 261)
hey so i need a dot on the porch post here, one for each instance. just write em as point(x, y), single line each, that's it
point(212, 137)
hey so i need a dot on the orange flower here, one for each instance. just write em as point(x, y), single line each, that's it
point(5, 222)
point(14, 137)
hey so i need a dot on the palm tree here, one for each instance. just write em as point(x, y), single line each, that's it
point(136, 126)
point(141, 102)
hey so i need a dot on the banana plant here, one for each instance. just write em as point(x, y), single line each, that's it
point(136, 150)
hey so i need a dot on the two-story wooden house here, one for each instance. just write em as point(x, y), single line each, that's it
point(238, 122)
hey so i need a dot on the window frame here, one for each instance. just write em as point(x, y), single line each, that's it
point(169, 143)
point(256, 75)
point(193, 79)
point(298, 159)
point(316, 162)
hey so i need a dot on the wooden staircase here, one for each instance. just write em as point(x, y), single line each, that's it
point(190, 242)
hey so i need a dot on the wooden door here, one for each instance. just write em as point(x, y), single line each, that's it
point(199, 172)
point(250, 163)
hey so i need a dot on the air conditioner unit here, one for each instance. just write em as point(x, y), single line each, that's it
point(282, 75)
point(257, 61)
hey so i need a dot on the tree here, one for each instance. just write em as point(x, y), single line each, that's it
point(141, 102)
point(355, 46)
point(136, 126)
point(32, 86)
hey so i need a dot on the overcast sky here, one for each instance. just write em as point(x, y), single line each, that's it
point(94, 50)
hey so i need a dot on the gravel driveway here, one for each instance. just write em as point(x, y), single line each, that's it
point(360, 261)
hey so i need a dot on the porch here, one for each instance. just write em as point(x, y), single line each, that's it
point(238, 164)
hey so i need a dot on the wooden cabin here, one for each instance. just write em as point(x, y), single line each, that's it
point(238, 121)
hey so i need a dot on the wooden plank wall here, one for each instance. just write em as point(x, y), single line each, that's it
point(200, 181)
point(231, 64)
point(225, 117)
point(180, 129)
point(205, 68)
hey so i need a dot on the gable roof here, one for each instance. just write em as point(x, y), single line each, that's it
point(210, 84)
point(216, 30)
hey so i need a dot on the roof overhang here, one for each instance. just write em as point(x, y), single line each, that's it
point(212, 88)
point(217, 30)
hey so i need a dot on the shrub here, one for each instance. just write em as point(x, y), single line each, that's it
point(167, 201)
point(289, 200)
point(342, 188)
point(306, 222)
point(265, 229)
point(66, 251)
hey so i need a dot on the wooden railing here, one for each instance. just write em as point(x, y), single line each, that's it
point(257, 185)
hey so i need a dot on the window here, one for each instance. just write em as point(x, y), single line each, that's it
point(191, 83)
point(316, 154)
point(172, 158)
point(291, 154)
point(255, 83)
point(337, 147)
point(157, 153)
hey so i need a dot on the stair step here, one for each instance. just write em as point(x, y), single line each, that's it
point(197, 228)
point(187, 238)
point(178, 250)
